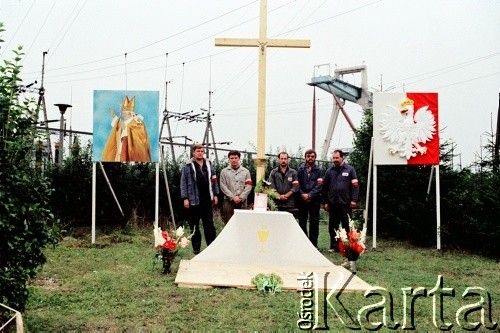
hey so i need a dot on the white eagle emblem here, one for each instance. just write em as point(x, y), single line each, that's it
point(406, 130)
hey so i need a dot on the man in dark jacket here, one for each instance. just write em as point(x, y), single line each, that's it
point(309, 199)
point(199, 189)
point(340, 195)
point(284, 180)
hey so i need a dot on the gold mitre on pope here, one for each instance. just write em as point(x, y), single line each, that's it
point(404, 104)
point(128, 104)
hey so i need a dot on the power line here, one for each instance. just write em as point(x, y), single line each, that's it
point(178, 49)
point(40, 29)
point(6, 47)
point(329, 18)
point(192, 28)
point(166, 38)
point(447, 69)
point(469, 80)
point(68, 28)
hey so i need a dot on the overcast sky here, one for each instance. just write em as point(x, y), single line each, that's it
point(449, 47)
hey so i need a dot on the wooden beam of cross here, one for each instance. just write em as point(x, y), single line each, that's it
point(262, 43)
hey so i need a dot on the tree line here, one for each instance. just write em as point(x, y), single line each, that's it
point(470, 201)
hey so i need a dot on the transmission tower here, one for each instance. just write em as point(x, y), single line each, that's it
point(342, 91)
point(41, 105)
point(166, 121)
point(185, 116)
point(189, 116)
point(209, 131)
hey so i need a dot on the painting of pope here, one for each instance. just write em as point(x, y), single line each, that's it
point(128, 136)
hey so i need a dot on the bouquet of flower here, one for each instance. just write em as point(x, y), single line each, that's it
point(264, 187)
point(166, 246)
point(351, 244)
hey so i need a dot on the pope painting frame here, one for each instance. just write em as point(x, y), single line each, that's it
point(143, 114)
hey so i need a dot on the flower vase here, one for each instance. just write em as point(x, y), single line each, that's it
point(351, 254)
point(352, 265)
point(167, 258)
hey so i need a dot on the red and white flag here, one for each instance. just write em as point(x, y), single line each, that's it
point(405, 128)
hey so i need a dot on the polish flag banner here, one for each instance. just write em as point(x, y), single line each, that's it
point(405, 129)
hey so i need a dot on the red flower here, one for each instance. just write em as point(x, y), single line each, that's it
point(170, 243)
point(357, 247)
point(341, 247)
point(354, 241)
point(351, 248)
point(354, 236)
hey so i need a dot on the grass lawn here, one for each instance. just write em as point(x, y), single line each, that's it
point(113, 286)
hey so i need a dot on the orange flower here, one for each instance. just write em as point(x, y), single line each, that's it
point(354, 236)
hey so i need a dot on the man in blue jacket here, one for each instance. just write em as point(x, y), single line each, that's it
point(340, 195)
point(309, 199)
point(199, 190)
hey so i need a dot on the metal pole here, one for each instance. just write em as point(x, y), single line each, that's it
point(61, 139)
point(313, 145)
point(93, 200)
point(62, 108)
point(166, 118)
point(168, 191)
point(157, 193)
point(365, 213)
point(17, 316)
point(430, 182)
point(374, 230)
point(111, 188)
point(438, 209)
point(346, 116)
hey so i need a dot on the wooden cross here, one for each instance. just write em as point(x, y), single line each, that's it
point(262, 43)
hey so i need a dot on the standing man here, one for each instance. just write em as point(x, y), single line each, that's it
point(309, 201)
point(199, 189)
point(236, 184)
point(284, 180)
point(340, 195)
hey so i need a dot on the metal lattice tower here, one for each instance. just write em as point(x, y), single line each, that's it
point(41, 105)
point(342, 91)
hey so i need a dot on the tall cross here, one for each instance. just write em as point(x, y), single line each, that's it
point(262, 43)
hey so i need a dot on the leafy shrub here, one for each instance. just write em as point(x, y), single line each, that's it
point(271, 283)
point(25, 219)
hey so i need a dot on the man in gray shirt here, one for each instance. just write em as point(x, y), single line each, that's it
point(236, 184)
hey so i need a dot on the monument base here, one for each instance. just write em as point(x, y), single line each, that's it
point(255, 242)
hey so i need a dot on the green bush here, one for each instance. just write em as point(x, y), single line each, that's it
point(132, 183)
point(25, 218)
